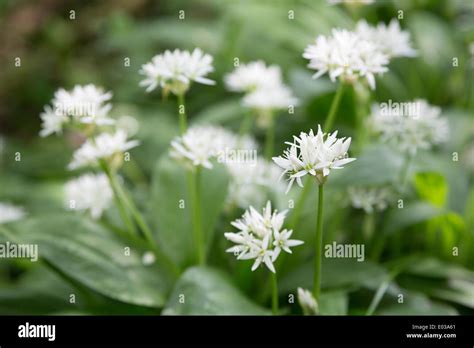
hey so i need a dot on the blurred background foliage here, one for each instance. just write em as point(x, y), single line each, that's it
point(57, 51)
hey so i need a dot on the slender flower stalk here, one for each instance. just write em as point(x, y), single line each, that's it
point(334, 107)
point(194, 184)
point(318, 245)
point(274, 294)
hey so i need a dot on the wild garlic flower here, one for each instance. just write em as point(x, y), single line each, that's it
point(410, 128)
point(250, 182)
point(104, 146)
point(389, 39)
point(10, 213)
point(252, 76)
point(370, 198)
point(203, 143)
point(347, 56)
point(52, 122)
point(128, 124)
point(83, 104)
point(89, 192)
point(174, 71)
point(307, 302)
point(270, 98)
point(315, 155)
point(261, 237)
point(264, 89)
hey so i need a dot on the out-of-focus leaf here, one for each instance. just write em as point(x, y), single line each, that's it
point(377, 165)
point(416, 304)
point(334, 303)
point(432, 188)
point(205, 291)
point(337, 273)
point(92, 256)
point(412, 213)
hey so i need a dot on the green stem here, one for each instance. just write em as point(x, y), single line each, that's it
point(246, 124)
point(333, 109)
point(404, 171)
point(318, 257)
point(194, 184)
point(270, 138)
point(368, 226)
point(274, 294)
point(182, 114)
point(118, 201)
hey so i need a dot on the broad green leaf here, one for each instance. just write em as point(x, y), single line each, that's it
point(90, 255)
point(171, 208)
point(431, 187)
point(205, 291)
point(412, 213)
point(416, 304)
point(334, 303)
point(377, 165)
point(337, 274)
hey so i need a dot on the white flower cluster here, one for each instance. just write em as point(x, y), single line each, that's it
point(411, 132)
point(261, 237)
point(175, 70)
point(390, 39)
point(103, 146)
point(202, 143)
point(10, 213)
point(370, 198)
point(250, 182)
point(314, 154)
point(83, 104)
point(89, 192)
point(365, 52)
point(307, 302)
point(263, 86)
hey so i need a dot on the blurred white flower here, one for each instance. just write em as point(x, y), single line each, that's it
point(105, 145)
point(175, 70)
point(260, 237)
point(270, 98)
point(83, 104)
point(307, 302)
point(370, 198)
point(390, 39)
point(315, 155)
point(264, 88)
point(89, 192)
point(411, 131)
point(250, 182)
point(128, 124)
point(346, 55)
point(252, 76)
point(148, 258)
point(51, 122)
point(202, 143)
point(86, 103)
point(10, 212)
